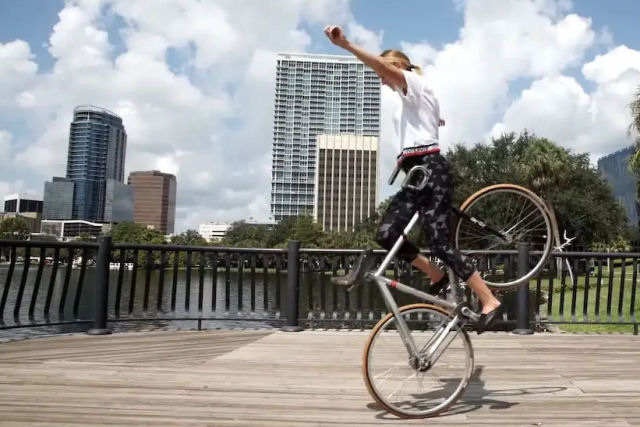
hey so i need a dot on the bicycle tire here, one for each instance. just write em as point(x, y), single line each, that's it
point(371, 350)
point(487, 200)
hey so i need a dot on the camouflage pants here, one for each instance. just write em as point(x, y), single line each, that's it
point(434, 203)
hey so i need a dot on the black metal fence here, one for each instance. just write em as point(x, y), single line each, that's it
point(50, 283)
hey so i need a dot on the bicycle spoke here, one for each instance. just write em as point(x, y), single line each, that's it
point(405, 390)
point(520, 220)
point(401, 386)
point(519, 215)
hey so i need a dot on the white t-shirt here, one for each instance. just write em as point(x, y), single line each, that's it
point(416, 120)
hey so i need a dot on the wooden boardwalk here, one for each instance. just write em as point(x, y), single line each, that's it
point(256, 378)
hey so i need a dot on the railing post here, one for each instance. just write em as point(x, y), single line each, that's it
point(293, 287)
point(101, 289)
point(524, 324)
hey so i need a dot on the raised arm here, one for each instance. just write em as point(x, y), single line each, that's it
point(385, 70)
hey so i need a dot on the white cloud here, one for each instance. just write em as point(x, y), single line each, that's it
point(421, 53)
point(547, 107)
point(608, 67)
point(208, 118)
point(17, 69)
point(369, 40)
point(210, 122)
point(559, 108)
point(5, 146)
point(501, 41)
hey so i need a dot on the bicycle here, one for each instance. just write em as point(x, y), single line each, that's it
point(418, 359)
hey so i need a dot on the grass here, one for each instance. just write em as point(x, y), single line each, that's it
point(620, 311)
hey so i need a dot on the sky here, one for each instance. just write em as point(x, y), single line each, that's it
point(194, 81)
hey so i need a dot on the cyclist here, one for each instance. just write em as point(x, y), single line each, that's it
point(416, 124)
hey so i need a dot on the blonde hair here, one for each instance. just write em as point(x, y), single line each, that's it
point(401, 60)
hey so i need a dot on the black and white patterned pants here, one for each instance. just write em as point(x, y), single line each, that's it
point(434, 203)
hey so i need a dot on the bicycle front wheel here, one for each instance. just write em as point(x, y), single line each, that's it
point(502, 217)
point(397, 384)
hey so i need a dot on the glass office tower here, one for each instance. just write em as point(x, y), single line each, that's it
point(614, 168)
point(97, 146)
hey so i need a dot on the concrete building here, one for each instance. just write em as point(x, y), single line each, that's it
point(614, 168)
point(27, 207)
point(213, 232)
point(154, 199)
point(216, 231)
point(22, 203)
point(345, 180)
point(315, 94)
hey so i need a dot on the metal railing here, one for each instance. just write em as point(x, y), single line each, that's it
point(51, 283)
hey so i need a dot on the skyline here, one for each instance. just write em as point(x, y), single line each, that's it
point(194, 81)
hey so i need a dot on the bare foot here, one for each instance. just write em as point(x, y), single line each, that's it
point(490, 306)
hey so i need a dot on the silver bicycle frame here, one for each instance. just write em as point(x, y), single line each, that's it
point(384, 284)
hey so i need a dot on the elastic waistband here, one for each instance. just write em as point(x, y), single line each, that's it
point(422, 150)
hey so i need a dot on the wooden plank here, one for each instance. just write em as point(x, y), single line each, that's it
point(259, 378)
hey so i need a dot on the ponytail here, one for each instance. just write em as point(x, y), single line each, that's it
point(403, 59)
point(416, 69)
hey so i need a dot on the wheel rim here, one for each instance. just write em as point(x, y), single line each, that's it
point(522, 219)
point(410, 392)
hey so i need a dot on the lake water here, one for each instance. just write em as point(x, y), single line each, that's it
point(239, 300)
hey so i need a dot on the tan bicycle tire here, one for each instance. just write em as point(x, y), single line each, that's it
point(542, 207)
point(367, 349)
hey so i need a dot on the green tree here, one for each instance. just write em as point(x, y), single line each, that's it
point(308, 232)
point(635, 113)
point(583, 202)
point(282, 232)
point(85, 237)
point(243, 235)
point(130, 232)
point(634, 161)
point(189, 238)
point(14, 229)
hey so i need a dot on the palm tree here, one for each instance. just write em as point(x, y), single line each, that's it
point(635, 112)
point(634, 161)
point(545, 167)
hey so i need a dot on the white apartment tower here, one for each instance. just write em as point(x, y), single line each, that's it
point(345, 181)
point(315, 94)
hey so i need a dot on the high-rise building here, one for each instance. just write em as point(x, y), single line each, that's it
point(97, 146)
point(614, 168)
point(95, 168)
point(154, 199)
point(118, 202)
point(58, 199)
point(346, 180)
point(315, 94)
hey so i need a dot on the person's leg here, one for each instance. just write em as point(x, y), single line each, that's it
point(480, 288)
point(394, 220)
point(436, 210)
point(423, 264)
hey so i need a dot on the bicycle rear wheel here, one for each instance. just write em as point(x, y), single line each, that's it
point(403, 389)
point(520, 217)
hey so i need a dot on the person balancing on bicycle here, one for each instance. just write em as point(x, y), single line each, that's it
point(416, 124)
